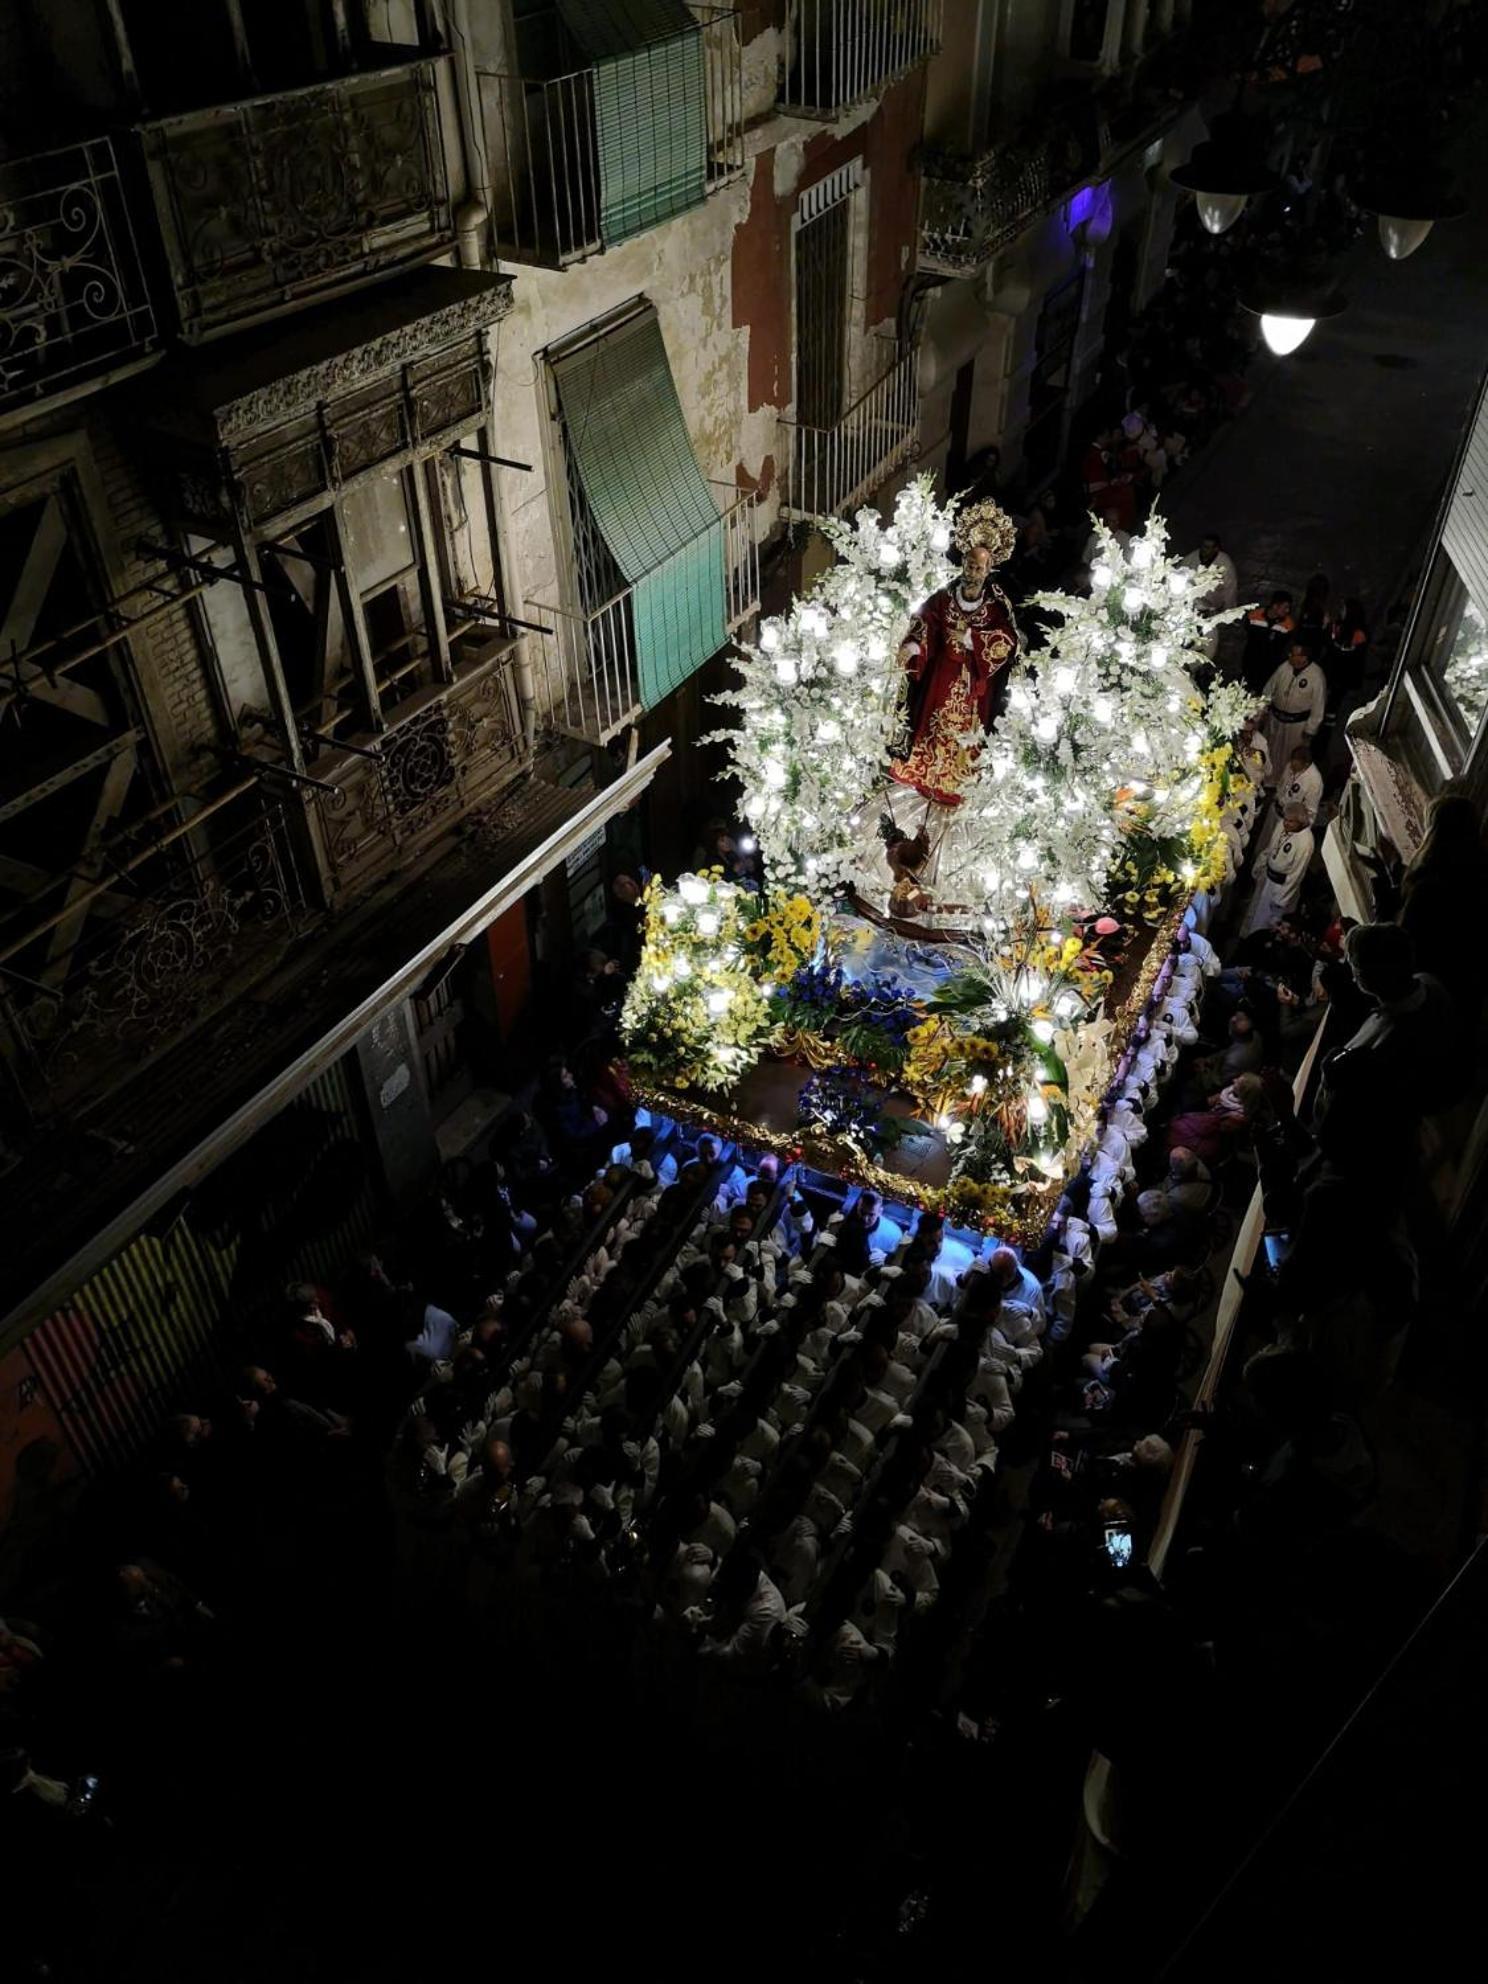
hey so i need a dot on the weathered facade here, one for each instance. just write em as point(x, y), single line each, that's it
point(396, 402)
point(1050, 134)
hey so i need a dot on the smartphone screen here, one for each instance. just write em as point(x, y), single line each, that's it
point(1278, 1246)
point(1118, 1545)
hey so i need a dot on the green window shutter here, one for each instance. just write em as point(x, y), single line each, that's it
point(649, 115)
point(624, 426)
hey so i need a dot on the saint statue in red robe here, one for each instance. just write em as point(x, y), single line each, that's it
point(958, 655)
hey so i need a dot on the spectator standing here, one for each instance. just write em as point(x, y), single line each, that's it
point(1268, 633)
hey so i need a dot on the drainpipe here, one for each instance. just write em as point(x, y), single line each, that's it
point(526, 683)
point(475, 210)
point(471, 217)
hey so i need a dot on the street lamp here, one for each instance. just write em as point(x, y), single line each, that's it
point(1289, 306)
point(1407, 206)
point(1223, 173)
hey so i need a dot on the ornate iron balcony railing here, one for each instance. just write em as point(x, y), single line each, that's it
point(837, 52)
point(451, 749)
point(199, 914)
point(833, 469)
point(975, 207)
point(584, 160)
point(592, 664)
point(72, 299)
point(277, 200)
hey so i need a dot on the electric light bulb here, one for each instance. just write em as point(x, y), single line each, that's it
point(720, 1001)
point(1043, 1030)
point(1189, 872)
point(747, 844)
point(1038, 1109)
point(977, 1085)
point(1284, 334)
point(693, 890)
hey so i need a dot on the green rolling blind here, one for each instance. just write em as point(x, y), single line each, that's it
point(624, 426)
point(649, 113)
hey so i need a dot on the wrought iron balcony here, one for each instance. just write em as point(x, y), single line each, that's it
point(975, 207)
point(592, 663)
point(838, 52)
point(834, 469)
point(583, 160)
point(451, 749)
point(270, 203)
point(192, 919)
point(72, 300)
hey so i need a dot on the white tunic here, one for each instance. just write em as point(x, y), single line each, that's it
point(1280, 886)
point(1295, 701)
point(1217, 584)
point(1304, 789)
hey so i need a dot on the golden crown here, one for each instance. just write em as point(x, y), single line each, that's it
point(987, 525)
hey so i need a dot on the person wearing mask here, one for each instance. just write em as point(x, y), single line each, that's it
point(1279, 890)
point(1296, 695)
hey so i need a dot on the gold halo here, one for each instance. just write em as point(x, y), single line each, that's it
point(988, 525)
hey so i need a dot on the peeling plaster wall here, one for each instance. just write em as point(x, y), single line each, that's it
point(720, 279)
point(685, 270)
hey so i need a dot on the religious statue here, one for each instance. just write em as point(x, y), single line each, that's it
point(957, 654)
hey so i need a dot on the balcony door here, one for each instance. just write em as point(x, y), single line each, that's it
point(823, 295)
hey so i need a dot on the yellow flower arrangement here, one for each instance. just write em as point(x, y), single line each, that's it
point(786, 935)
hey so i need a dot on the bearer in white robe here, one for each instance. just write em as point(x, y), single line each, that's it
point(1288, 855)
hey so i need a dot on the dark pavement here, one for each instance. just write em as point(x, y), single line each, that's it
point(1339, 463)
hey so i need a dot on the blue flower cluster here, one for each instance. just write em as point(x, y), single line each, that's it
point(839, 1102)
